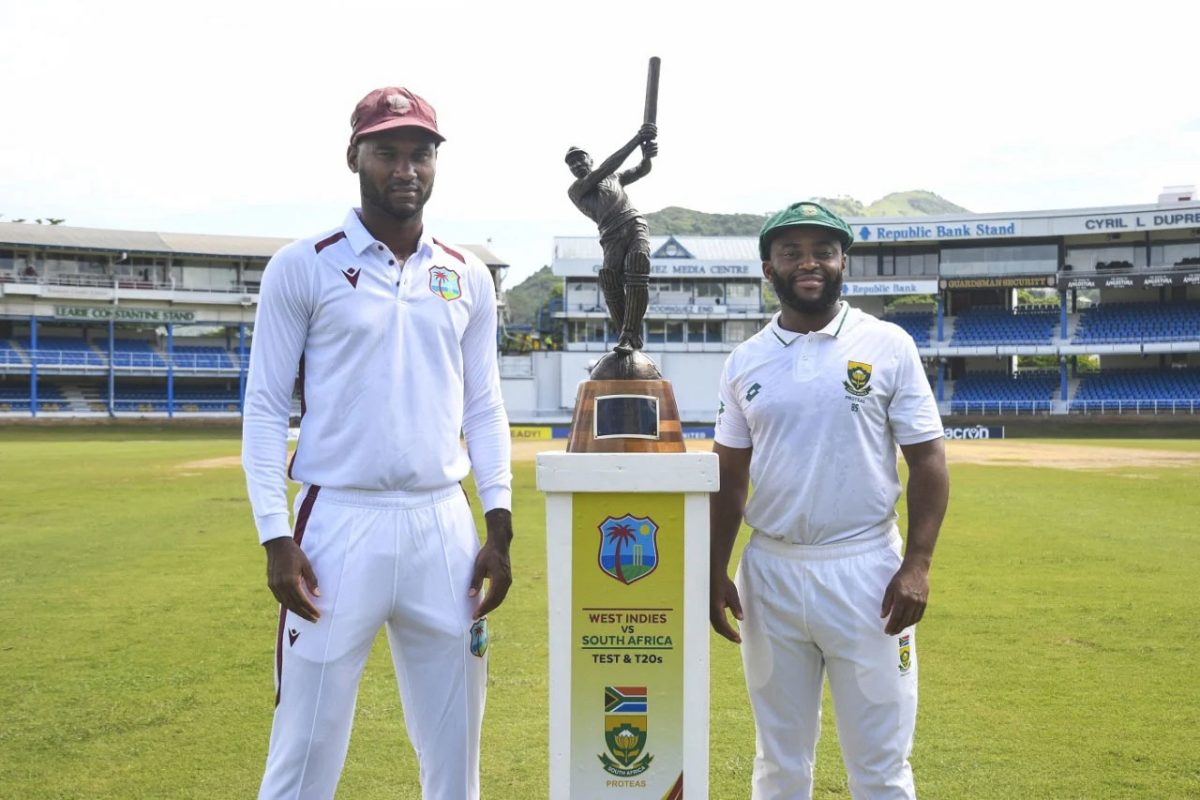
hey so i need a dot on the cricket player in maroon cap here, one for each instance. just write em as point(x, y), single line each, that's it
point(390, 335)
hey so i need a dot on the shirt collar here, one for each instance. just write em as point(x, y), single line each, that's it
point(360, 238)
point(834, 328)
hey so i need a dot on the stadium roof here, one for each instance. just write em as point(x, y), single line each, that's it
point(67, 237)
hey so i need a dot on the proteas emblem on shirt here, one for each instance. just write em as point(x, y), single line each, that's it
point(858, 375)
point(445, 283)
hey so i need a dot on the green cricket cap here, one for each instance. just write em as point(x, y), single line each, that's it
point(805, 212)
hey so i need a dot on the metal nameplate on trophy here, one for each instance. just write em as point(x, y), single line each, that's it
point(625, 416)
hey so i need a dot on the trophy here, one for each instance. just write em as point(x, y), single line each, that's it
point(626, 406)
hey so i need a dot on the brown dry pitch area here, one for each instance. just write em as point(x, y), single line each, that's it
point(996, 452)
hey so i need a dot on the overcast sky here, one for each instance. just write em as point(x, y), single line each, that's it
point(232, 117)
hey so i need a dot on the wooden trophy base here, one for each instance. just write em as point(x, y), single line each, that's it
point(626, 416)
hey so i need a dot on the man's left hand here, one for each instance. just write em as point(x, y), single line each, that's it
point(492, 562)
point(648, 132)
point(905, 598)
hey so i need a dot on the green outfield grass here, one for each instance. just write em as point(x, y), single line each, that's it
point(1059, 657)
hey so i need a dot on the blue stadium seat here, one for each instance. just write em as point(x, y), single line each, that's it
point(915, 323)
point(1127, 323)
point(202, 358)
point(136, 353)
point(998, 326)
point(1138, 390)
point(60, 351)
point(999, 392)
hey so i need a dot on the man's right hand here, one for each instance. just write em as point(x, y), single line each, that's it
point(291, 578)
point(723, 594)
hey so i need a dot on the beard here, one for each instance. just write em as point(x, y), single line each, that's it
point(401, 212)
point(830, 292)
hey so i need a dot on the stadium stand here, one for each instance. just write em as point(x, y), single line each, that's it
point(1138, 391)
point(62, 351)
point(16, 397)
point(999, 392)
point(136, 354)
point(202, 357)
point(1114, 323)
point(988, 326)
point(59, 351)
point(11, 355)
point(916, 324)
point(153, 399)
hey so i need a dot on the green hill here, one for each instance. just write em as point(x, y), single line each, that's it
point(917, 203)
point(524, 299)
point(685, 221)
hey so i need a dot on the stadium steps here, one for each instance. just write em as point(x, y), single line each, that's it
point(1072, 326)
point(947, 331)
point(15, 345)
point(76, 398)
point(1072, 389)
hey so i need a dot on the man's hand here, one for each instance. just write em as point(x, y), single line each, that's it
point(289, 575)
point(647, 133)
point(723, 594)
point(905, 598)
point(649, 149)
point(492, 562)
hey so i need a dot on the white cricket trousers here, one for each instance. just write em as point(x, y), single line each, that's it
point(400, 559)
point(812, 609)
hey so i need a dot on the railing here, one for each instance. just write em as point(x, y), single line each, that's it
point(185, 406)
point(987, 407)
point(1135, 406)
point(91, 361)
point(1083, 337)
point(111, 282)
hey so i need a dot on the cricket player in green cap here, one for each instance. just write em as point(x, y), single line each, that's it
point(812, 409)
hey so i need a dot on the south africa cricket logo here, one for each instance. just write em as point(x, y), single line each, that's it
point(445, 283)
point(859, 375)
point(905, 654)
point(625, 731)
point(628, 547)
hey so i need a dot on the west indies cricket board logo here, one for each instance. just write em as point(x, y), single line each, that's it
point(445, 283)
point(625, 712)
point(628, 547)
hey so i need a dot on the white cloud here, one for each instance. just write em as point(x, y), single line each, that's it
point(232, 117)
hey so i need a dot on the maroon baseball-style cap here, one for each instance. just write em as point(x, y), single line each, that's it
point(392, 107)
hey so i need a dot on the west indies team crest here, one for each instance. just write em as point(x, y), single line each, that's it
point(858, 376)
point(625, 731)
point(628, 547)
point(445, 283)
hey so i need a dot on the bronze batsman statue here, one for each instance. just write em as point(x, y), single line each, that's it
point(624, 236)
